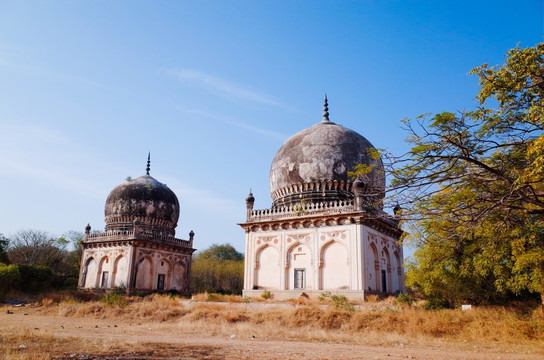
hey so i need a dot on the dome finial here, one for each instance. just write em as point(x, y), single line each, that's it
point(148, 163)
point(325, 110)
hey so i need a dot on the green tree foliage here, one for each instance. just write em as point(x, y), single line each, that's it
point(40, 261)
point(4, 243)
point(37, 278)
point(218, 269)
point(72, 259)
point(221, 252)
point(473, 187)
point(9, 277)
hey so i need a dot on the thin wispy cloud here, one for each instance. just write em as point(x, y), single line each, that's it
point(24, 135)
point(59, 178)
point(219, 86)
point(198, 199)
point(51, 75)
point(45, 154)
point(13, 57)
point(236, 123)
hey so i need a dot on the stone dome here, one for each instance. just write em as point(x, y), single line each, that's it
point(312, 165)
point(144, 201)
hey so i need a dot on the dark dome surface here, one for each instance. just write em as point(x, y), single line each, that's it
point(323, 152)
point(143, 197)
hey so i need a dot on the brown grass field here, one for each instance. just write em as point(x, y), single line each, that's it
point(161, 327)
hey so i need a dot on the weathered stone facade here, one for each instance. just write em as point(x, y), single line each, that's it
point(324, 232)
point(138, 249)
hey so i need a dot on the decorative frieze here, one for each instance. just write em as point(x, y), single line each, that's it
point(267, 239)
point(302, 238)
point(325, 235)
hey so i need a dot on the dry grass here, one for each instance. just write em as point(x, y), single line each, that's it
point(304, 320)
point(493, 324)
point(212, 297)
point(46, 347)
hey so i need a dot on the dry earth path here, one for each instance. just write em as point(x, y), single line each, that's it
point(55, 336)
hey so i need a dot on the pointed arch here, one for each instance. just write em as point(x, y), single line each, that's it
point(143, 278)
point(385, 271)
point(163, 271)
point(103, 274)
point(267, 268)
point(373, 267)
point(90, 272)
point(299, 267)
point(120, 271)
point(334, 266)
point(396, 273)
point(179, 278)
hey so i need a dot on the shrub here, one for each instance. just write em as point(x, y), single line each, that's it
point(115, 298)
point(436, 303)
point(9, 277)
point(403, 299)
point(213, 297)
point(338, 301)
point(36, 278)
point(266, 295)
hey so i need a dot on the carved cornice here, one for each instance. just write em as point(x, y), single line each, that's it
point(382, 223)
point(141, 244)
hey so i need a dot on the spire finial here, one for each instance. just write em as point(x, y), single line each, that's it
point(325, 110)
point(148, 163)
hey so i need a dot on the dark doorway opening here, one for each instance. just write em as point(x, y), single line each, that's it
point(160, 282)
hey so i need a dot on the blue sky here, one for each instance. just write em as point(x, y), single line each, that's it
point(213, 88)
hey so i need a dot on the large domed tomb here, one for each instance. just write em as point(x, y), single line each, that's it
point(138, 249)
point(313, 165)
point(325, 231)
point(145, 200)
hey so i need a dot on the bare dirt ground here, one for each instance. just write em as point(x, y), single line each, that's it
point(46, 335)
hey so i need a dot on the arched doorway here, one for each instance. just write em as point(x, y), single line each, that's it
point(299, 269)
point(104, 273)
point(163, 275)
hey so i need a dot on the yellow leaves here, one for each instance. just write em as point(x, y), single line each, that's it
point(374, 153)
point(422, 116)
point(535, 152)
point(474, 184)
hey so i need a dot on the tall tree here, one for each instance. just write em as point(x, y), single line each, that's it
point(220, 268)
point(221, 252)
point(72, 259)
point(473, 182)
point(34, 247)
point(4, 243)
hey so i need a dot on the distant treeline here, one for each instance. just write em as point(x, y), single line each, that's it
point(33, 261)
